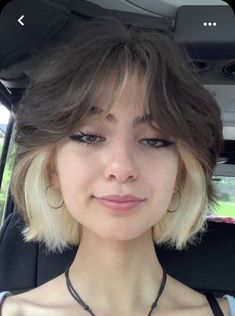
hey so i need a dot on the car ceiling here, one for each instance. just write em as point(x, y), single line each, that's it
point(221, 88)
point(153, 7)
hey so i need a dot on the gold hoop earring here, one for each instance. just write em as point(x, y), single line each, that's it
point(54, 207)
point(178, 203)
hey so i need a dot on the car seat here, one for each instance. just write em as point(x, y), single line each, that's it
point(207, 266)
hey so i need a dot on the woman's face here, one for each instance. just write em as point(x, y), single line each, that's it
point(125, 158)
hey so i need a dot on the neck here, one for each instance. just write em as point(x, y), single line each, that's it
point(121, 276)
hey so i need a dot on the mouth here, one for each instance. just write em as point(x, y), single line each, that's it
point(120, 198)
point(120, 206)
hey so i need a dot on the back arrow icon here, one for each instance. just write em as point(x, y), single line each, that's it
point(20, 20)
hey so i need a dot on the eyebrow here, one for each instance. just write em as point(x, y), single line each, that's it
point(112, 119)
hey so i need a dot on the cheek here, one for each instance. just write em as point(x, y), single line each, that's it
point(73, 171)
point(165, 165)
point(164, 178)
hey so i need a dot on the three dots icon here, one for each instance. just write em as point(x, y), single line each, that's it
point(209, 23)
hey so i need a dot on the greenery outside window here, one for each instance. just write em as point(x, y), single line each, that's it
point(4, 119)
point(225, 188)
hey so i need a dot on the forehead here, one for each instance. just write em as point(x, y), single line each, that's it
point(96, 113)
point(128, 96)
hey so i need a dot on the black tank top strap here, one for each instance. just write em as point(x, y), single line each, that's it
point(214, 305)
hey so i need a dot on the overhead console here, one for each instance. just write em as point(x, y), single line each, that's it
point(208, 33)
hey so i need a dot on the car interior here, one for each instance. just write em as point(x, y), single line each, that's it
point(28, 28)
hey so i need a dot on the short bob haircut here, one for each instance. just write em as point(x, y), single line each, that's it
point(91, 68)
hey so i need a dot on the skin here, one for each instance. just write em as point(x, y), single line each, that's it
point(123, 165)
point(120, 245)
point(116, 270)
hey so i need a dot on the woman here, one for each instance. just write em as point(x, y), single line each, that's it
point(117, 142)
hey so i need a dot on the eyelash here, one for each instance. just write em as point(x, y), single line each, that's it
point(78, 138)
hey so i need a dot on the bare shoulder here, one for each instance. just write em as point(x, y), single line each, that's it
point(19, 305)
point(190, 302)
point(39, 301)
point(11, 307)
point(23, 304)
point(224, 305)
point(197, 307)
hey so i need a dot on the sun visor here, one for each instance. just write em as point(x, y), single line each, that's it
point(28, 28)
point(25, 26)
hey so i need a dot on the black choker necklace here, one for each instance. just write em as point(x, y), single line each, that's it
point(77, 298)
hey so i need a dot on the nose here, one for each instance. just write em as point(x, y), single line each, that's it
point(122, 163)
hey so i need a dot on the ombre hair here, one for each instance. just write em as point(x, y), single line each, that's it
point(91, 69)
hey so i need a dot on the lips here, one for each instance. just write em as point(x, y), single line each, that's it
point(120, 203)
point(120, 198)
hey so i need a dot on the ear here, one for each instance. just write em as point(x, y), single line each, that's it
point(53, 175)
point(180, 175)
point(55, 181)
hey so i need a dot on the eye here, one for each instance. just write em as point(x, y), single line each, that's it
point(157, 143)
point(87, 138)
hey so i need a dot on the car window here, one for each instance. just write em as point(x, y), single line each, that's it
point(4, 120)
point(225, 208)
